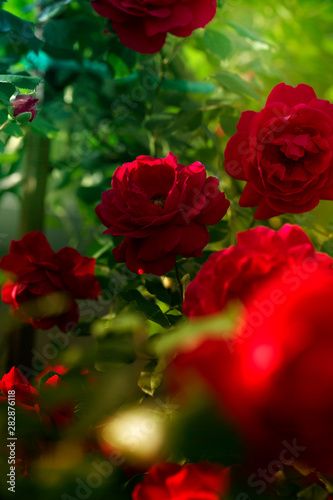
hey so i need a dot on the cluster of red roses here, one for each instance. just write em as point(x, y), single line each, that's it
point(272, 376)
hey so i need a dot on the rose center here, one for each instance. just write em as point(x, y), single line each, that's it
point(158, 199)
point(286, 160)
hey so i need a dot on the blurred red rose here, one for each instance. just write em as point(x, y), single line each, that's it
point(162, 208)
point(28, 398)
point(284, 152)
point(276, 381)
point(57, 369)
point(143, 26)
point(234, 273)
point(25, 394)
point(46, 283)
point(25, 104)
point(170, 481)
point(87, 375)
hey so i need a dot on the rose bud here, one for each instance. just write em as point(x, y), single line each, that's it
point(24, 108)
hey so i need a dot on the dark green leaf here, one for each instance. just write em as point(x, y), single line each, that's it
point(219, 231)
point(6, 91)
point(20, 33)
point(20, 81)
point(156, 288)
point(14, 129)
point(151, 310)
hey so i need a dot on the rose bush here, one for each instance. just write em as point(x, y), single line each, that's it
point(161, 208)
point(234, 273)
point(45, 283)
point(276, 381)
point(284, 152)
point(170, 481)
point(143, 25)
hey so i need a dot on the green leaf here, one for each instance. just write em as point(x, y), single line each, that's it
point(14, 129)
point(235, 84)
point(60, 33)
point(217, 43)
point(219, 231)
point(6, 91)
point(229, 119)
point(21, 81)
point(246, 33)
point(313, 492)
point(156, 288)
point(149, 379)
point(151, 310)
point(19, 33)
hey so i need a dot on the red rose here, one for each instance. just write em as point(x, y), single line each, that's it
point(28, 398)
point(25, 395)
point(276, 381)
point(170, 481)
point(25, 104)
point(284, 152)
point(234, 273)
point(143, 25)
point(46, 283)
point(162, 208)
